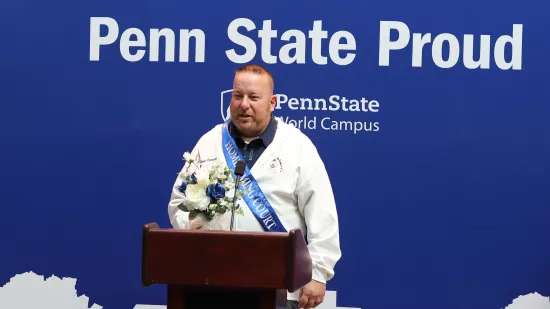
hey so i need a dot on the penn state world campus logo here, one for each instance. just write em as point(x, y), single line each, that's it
point(320, 113)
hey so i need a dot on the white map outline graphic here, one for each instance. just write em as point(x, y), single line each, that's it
point(31, 291)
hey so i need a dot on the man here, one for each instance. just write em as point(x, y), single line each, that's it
point(288, 171)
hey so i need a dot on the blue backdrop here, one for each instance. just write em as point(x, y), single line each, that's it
point(443, 204)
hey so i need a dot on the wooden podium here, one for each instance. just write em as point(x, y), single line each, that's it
point(225, 270)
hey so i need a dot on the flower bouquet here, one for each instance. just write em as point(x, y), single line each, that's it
point(206, 192)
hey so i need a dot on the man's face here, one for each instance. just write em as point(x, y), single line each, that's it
point(252, 103)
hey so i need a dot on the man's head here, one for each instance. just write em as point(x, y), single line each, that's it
point(253, 100)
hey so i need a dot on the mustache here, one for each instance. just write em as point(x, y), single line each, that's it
point(243, 114)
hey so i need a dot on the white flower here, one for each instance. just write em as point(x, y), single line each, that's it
point(196, 197)
point(216, 171)
point(220, 171)
point(187, 156)
point(203, 178)
point(230, 183)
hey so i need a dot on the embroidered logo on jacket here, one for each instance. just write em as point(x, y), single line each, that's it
point(276, 165)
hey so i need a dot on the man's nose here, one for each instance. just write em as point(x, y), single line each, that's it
point(245, 103)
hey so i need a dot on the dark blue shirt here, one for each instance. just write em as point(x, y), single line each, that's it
point(255, 148)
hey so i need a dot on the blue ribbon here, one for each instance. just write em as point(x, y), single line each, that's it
point(255, 198)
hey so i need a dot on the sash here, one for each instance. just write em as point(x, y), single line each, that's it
point(255, 198)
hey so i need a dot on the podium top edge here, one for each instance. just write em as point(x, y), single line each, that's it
point(217, 232)
point(153, 227)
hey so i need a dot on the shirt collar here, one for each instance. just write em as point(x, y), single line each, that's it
point(267, 135)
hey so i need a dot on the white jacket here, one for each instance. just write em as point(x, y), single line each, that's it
point(295, 182)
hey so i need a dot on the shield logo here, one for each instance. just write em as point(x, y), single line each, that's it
point(225, 99)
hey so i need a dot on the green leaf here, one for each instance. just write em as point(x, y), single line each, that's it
point(193, 214)
point(183, 207)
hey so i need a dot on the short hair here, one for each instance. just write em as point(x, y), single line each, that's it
point(257, 69)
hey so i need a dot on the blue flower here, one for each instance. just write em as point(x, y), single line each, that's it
point(183, 187)
point(193, 179)
point(216, 191)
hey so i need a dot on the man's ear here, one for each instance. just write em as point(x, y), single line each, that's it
point(273, 102)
